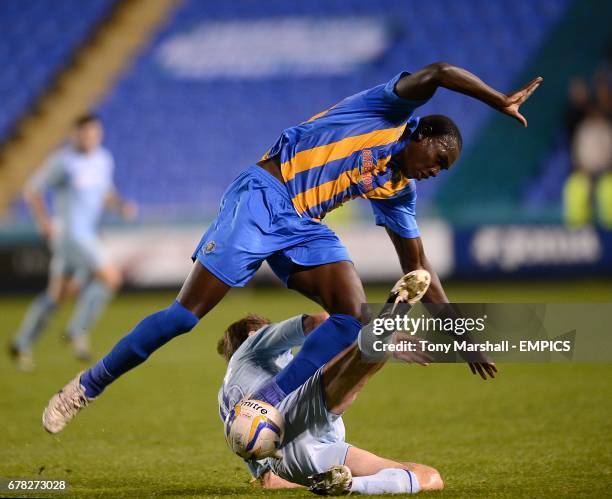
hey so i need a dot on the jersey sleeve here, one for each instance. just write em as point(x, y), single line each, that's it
point(51, 174)
point(279, 337)
point(383, 101)
point(376, 108)
point(398, 214)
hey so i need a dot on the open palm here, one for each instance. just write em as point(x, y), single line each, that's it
point(514, 101)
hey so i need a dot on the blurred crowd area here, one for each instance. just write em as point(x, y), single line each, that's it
point(208, 93)
point(211, 90)
point(587, 193)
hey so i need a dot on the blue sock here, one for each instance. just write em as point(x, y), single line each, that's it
point(96, 379)
point(133, 349)
point(323, 344)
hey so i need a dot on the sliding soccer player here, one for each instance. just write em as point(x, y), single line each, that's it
point(368, 145)
point(80, 179)
point(314, 451)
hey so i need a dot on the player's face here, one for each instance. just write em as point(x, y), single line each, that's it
point(426, 158)
point(88, 136)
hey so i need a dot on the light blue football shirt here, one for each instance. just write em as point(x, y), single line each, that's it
point(255, 363)
point(80, 183)
point(258, 360)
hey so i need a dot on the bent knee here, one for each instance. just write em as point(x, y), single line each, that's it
point(430, 479)
point(357, 309)
point(110, 276)
point(180, 320)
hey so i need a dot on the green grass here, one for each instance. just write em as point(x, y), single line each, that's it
point(536, 431)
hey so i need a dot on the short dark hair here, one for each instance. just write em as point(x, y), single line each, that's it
point(441, 127)
point(237, 333)
point(85, 119)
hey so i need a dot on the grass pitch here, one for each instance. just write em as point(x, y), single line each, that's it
point(536, 431)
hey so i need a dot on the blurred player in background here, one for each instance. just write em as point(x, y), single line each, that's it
point(314, 451)
point(80, 178)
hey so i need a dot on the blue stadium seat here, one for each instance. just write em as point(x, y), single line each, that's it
point(202, 132)
point(180, 140)
point(38, 38)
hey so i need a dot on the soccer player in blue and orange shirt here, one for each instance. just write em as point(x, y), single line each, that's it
point(369, 145)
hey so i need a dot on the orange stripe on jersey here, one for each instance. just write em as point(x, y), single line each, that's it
point(324, 192)
point(381, 165)
point(320, 155)
point(388, 189)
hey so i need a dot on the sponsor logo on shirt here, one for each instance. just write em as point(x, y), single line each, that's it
point(368, 164)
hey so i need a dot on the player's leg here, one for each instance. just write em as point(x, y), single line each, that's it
point(343, 378)
point(38, 315)
point(199, 294)
point(373, 474)
point(97, 291)
point(349, 371)
point(248, 212)
point(314, 453)
point(366, 473)
point(337, 287)
point(99, 281)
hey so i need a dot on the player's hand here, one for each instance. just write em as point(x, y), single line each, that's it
point(414, 356)
point(514, 101)
point(483, 369)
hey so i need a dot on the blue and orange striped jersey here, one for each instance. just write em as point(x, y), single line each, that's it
point(344, 152)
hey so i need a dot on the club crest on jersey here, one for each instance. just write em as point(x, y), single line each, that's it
point(366, 170)
point(210, 247)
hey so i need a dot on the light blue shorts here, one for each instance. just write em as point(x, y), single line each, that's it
point(257, 222)
point(314, 436)
point(77, 257)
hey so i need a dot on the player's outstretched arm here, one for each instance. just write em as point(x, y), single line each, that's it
point(423, 83)
point(412, 257)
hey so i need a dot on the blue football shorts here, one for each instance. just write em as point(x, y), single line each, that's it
point(257, 222)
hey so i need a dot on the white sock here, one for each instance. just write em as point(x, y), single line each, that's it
point(387, 481)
